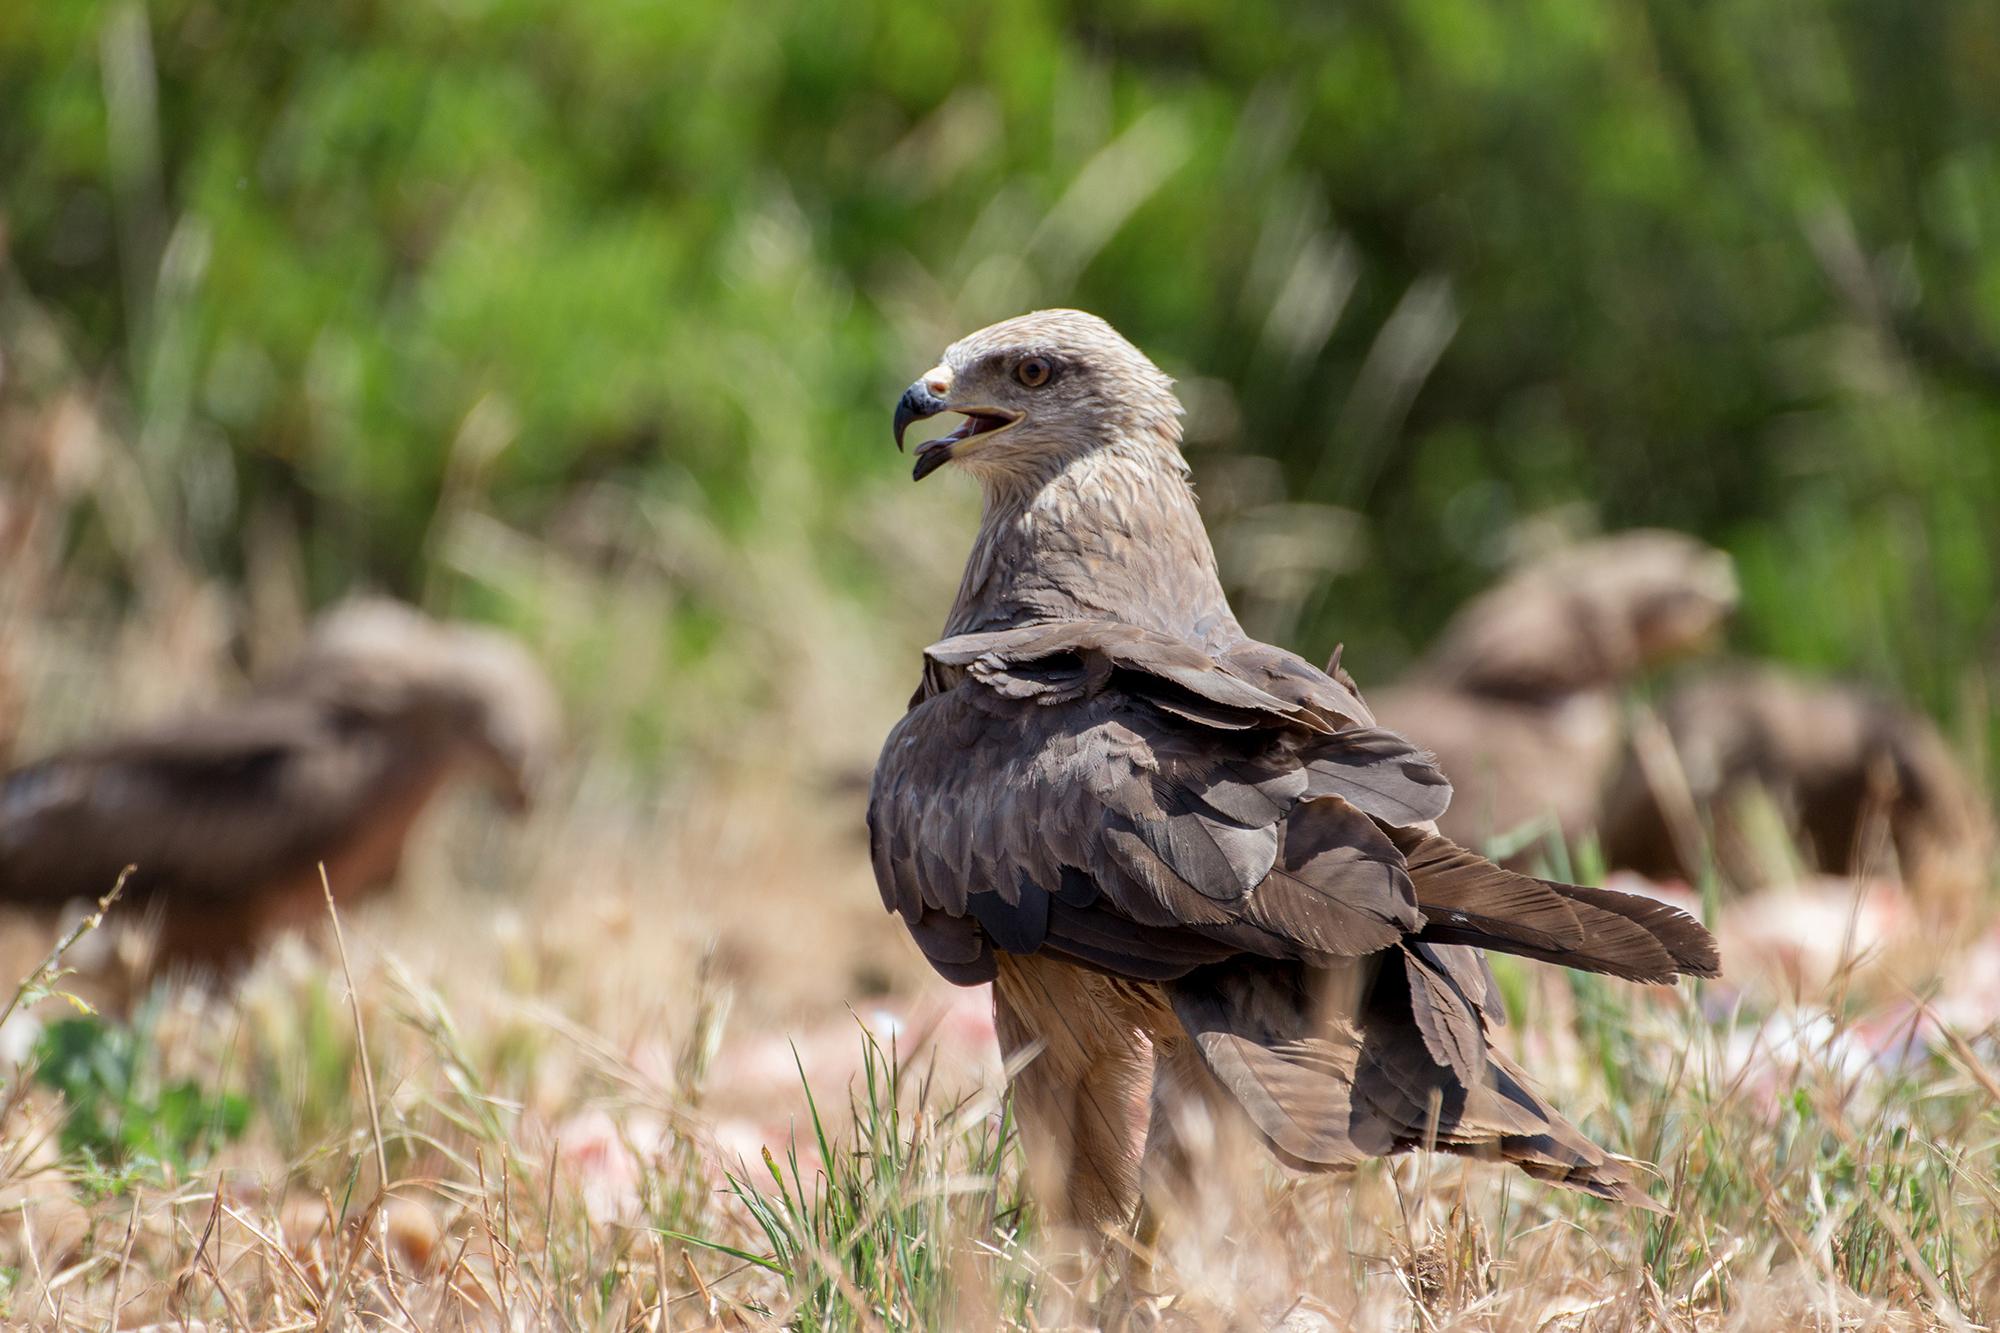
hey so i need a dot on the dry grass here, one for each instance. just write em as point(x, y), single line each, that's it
point(582, 1035)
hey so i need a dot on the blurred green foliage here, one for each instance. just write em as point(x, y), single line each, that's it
point(1731, 266)
point(121, 1115)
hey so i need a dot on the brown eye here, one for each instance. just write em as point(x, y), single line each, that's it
point(1034, 372)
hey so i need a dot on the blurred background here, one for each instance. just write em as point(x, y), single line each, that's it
point(587, 318)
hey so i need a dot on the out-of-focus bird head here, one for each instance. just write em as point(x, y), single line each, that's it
point(463, 688)
point(517, 721)
point(1037, 391)
point(1673, 592)
point(1590, 615)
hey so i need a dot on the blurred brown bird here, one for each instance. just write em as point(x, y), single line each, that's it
point(1860, 783)
point(1190, 861)
point(1518, 699)
point(228, 814)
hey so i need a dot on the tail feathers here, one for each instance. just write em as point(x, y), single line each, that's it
point(1563, 1156)
point(1466, 899)
point(1330, 1084)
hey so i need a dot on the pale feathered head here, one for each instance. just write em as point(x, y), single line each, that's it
point(1589, 616)
point(480, 688)
point(1037, 391)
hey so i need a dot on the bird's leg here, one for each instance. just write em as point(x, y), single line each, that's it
point(1079, 1073)
point(1180, 1147)
point(1167, 1171)
point(1192, 1118)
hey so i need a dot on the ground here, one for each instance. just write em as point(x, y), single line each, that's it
point(655, 1058)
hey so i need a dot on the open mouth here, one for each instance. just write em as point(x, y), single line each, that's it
point(934, 454)
point(977, 422)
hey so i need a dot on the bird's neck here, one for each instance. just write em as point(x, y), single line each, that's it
point(1111, 534)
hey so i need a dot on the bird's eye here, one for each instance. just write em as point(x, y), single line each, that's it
point(1033, 372)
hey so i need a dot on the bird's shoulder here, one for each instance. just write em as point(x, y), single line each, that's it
point(1233, 684)
point(261, 750)
point(1103, 790)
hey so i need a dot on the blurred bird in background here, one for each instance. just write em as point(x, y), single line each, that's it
point(1759, 766)
point(228, 814)
point(1519, 695)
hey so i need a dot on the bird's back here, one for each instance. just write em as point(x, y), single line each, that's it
point(211, 811)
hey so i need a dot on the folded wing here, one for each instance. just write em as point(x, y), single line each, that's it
point(1237, 829)
point(208, 808)
point(1136, 804)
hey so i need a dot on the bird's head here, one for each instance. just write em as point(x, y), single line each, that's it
point(1681, 593)
point(516, 721)
point(1591, 615)
point(1037, 391)
point(474, 690)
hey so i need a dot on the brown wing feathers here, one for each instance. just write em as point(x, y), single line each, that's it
point(1329, 1085)
point(1236, 828)
point(1341, 890)
point(1279, 838)
point(1381, 773)
point(1466, 899)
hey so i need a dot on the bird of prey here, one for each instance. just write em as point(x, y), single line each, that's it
point(228, 815)
point(1517, 698)
point(1853, 775)
point(1187, 860)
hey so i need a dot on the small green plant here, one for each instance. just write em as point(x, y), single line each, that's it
point(123, 1120)
point(911, 1203)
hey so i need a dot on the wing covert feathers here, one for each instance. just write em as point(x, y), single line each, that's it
point(1183, 804)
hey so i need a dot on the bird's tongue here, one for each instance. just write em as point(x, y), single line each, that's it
point(933, 455)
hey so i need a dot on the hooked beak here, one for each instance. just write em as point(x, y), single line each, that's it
point(920, 402)
point(516, 798)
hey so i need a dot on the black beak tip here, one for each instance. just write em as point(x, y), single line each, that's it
point(916, 404)
point(929, 459)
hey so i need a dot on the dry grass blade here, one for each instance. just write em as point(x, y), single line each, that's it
point(360, 1037)
point(47, 968)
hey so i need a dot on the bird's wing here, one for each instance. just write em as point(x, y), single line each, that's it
point(1246, 684)
point(1377, 1057)
point(213, 806)
point(1135, 804)
point(1127, 801)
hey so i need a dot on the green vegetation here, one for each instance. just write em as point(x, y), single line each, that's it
point(1735, 268)
point(123, 1117)
point(905, 1213)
